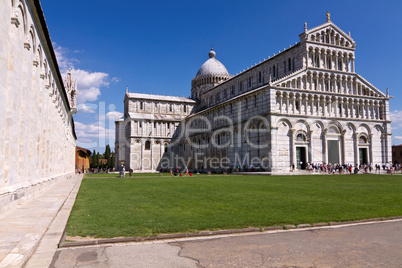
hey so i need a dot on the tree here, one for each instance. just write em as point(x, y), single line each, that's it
point(97, 159)
point(93, 159)
point(107, 155)
point(112, 160)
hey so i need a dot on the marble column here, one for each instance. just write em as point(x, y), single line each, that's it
point(356, 148)
point(292, 146)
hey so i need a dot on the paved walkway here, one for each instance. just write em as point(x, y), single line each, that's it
point(32, 226)
point(355, 245)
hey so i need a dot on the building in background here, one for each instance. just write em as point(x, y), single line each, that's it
point(36, 124)
point(303, 105)
point(144, 135)
point(397, 154)
point(82, 156)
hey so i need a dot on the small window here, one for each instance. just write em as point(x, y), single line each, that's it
point(147, 145)
point(273, 70)
point(333, 130)
point(141, 105)
point(168, 125)
point(233, 90)
point(240, 86)
point(289, 64)
point(185, 108)
point(301, 137)
point(259, 77)
point(250, 80)
point(362, 140)
point(154, 124)
point(170, 107)
point(140, 124)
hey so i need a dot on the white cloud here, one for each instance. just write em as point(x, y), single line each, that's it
point(89, 83)
point(396, 117)
point(63, 61)
point(396, 125)
point(94, 135)
point(83, 108)
point(113, 115)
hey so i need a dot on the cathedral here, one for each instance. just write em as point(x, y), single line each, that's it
point(303, 105)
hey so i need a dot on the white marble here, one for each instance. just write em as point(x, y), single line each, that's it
point(36, 122)
point(305, 98)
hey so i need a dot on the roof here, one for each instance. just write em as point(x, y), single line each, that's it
point(212, 66)
point(159, 98)
point(85, 151)
point(156, 117)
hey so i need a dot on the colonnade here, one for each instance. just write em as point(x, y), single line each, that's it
point(328, 82)
point(154, 128)
point(146, 154)
point(330, 59)
point(332, 106)
point(329, 36)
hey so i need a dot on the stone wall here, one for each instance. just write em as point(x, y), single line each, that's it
point(36, 123)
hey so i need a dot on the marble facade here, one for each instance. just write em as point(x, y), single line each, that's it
point(305, 104)
point(36, 126)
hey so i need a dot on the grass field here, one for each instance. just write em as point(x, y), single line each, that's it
point(117, 175)
point(147, 204)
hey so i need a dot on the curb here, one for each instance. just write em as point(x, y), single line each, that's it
point(27, 257)
point(216, 233)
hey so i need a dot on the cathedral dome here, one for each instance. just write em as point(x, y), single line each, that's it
point(212, 67)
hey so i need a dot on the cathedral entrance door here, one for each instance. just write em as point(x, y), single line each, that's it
point(333, 152)
point(301, 157)
point(363, 156)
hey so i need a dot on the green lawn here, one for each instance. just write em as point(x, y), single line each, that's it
point(147, 204)
point(117, 175)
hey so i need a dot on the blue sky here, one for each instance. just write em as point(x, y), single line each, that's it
point(158, 47)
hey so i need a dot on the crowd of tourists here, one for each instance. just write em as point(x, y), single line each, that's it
point(350, 169)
